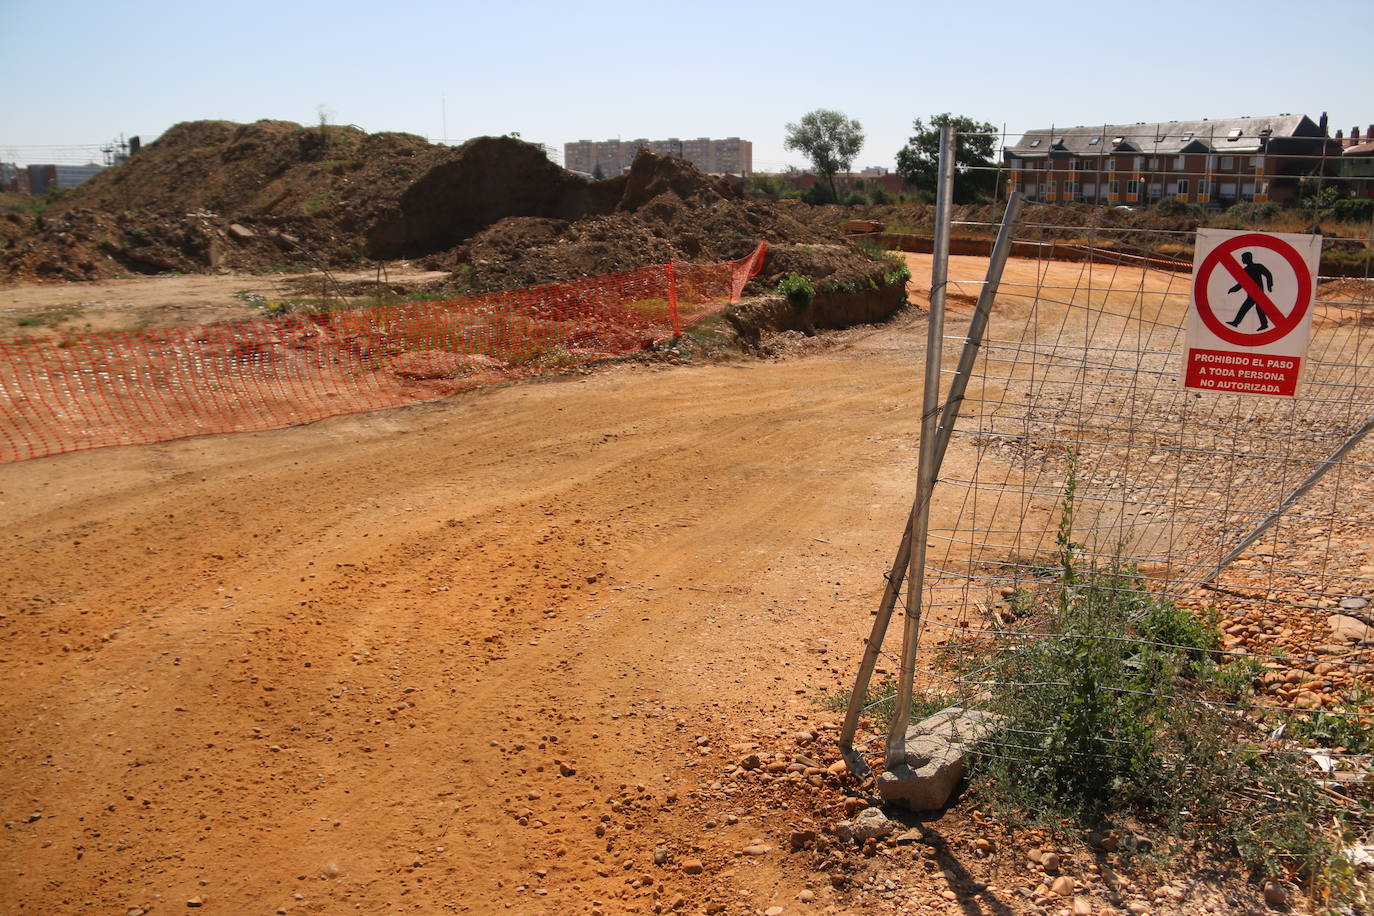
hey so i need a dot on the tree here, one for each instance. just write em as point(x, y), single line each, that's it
point(829, 140)
point(918, 162)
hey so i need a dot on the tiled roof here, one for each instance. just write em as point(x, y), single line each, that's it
point(1165, 138)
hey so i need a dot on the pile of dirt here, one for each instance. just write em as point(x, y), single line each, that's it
point(214, 195)
point(667, 211)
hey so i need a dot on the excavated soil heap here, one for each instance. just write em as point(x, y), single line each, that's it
point(214, 195)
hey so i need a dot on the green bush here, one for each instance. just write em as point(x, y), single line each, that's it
point(1113, 706)
point(1353, 209)
point(1181, 209)
point(1244, 215)
point(798, 290)
point(819, 194)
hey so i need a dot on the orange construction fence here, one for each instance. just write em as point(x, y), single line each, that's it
point(135, 387)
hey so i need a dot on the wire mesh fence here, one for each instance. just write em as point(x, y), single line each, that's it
point(1081, 474)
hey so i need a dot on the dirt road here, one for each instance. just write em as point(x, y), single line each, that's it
point(489, 654)
point(350, 661)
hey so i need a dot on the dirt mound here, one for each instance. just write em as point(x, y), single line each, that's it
point(212, 195)
point(705, 227)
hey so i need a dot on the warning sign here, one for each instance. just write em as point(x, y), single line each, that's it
point(1250, 314)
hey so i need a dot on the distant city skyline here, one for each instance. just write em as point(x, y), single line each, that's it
point(555, 75)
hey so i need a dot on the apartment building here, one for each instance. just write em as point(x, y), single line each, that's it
point(730, 156)
point(1212, 162)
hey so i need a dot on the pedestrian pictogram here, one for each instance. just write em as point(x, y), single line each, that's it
point(1250, 313)
point(1263, 281)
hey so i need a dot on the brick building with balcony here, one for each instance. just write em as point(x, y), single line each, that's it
point(1215, 163)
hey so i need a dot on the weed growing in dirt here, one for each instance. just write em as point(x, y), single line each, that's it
point(898, 272)
point(880, 702)
point(1348, 727)
point(1114, 705)
point(798, 290)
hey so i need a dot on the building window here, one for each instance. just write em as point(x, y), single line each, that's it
point(1180, 162)
point(1111, 165)
point(1256, 162)
point(1132, 187)
point(1139, 163)
point(1183, 187)
point(1204, 186)
point(1228, 163)
point(1154, 165)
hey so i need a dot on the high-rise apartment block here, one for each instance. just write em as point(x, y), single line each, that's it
point(731, 156)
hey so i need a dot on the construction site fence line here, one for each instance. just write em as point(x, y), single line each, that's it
point(92, 390)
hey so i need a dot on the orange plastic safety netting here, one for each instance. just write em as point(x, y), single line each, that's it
point(133, 387)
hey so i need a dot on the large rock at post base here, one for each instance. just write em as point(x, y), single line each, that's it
point(937, 750)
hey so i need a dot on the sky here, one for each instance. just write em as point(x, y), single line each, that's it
point(79, 74)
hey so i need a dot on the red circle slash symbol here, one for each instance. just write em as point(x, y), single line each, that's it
point(1224, 255)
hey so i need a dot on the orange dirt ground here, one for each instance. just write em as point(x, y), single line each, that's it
point(484, 655)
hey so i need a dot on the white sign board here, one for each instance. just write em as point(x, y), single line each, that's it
point(1250, 312)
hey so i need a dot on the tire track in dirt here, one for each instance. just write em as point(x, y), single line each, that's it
point(410, 660)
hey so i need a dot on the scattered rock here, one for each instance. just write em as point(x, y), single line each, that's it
point(1063, 886)
point(660, 856)
point(692, 867)
point(1274, 894)
point(195, 902)
point(871, 824)
point(1348, 628)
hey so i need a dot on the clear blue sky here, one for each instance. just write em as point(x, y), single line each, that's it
point(80, 72)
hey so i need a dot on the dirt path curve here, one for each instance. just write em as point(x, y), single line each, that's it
point(481, 655)
point(424, 659)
